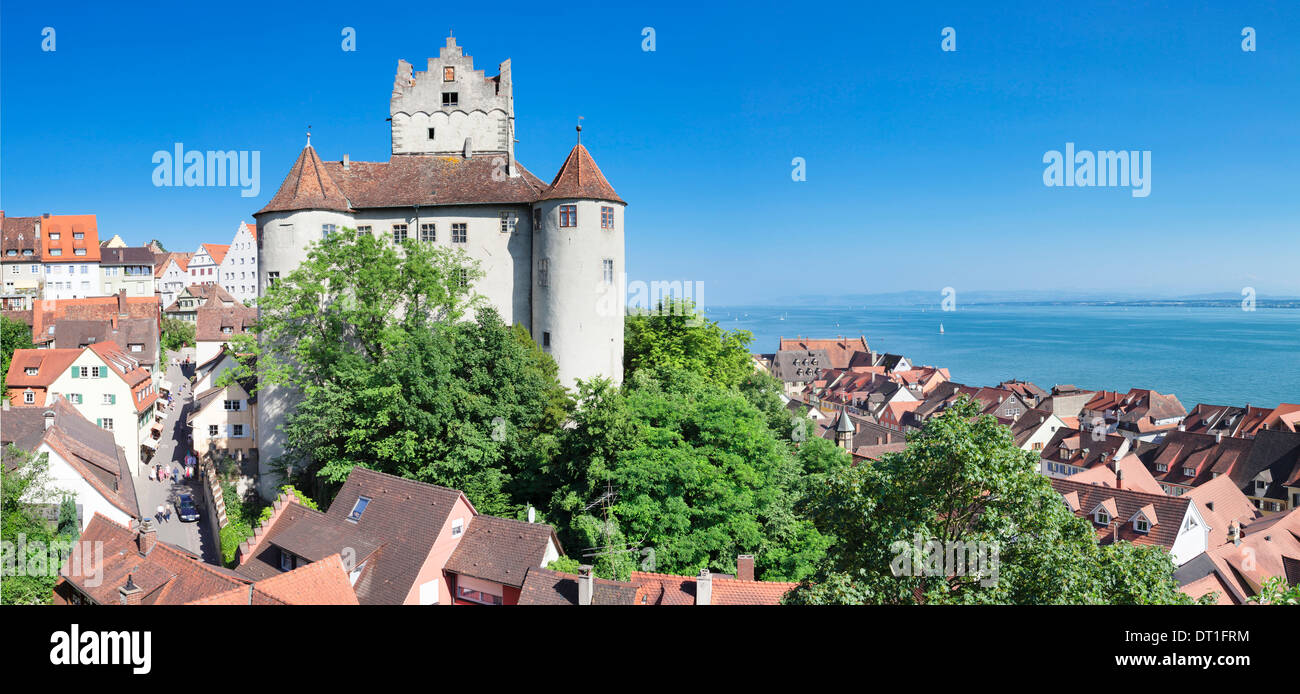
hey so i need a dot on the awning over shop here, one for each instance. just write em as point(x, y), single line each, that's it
point(149, 442)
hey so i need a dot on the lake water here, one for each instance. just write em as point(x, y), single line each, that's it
point(1223, 356)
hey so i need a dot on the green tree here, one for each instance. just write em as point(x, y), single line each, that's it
point(394, 378)
point(699, 475)
point(1276, 591)
point(25, 483)
point(69, 528)
point(963, 480)
point(13, 335)
point(177, 334)
point(677, 336)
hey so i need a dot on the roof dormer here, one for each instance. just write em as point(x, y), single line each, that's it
point(1144, 519)
point(1104, 512)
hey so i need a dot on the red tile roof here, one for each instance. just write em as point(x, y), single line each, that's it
point(579, 177)
point(840, 350)
point(217, 251)
point(66, 226)
point(668, 589)
point(1221, 503)
point(1122, 505)
point(307, 187)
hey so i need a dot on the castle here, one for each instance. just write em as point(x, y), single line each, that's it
point(551, 255)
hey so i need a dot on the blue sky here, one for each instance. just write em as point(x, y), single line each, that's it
point(924, 167)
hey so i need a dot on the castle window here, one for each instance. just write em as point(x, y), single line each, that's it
point(430, 133)
point(459, 232)
point(272, 278)
point(429, 232)
point(363, 229)
point(546, 338)
point(450, 99)
point(544, 272)
point(327, 229)
point(399, 233)
point(449, 74)
point(508, 221)
point(568, 215)
point(537, 218)
point(462, 277)
point(606, 218)
point(607, 268)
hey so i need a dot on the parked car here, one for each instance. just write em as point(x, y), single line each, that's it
point(186, 509)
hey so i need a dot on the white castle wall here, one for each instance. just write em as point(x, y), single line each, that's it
point(582, 313)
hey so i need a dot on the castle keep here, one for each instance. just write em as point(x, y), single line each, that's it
point(551, 254)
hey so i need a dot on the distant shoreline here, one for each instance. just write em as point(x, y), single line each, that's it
point(1151, 303)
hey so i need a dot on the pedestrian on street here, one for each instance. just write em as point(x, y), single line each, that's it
point(159, 515)
point(176, 473)
point(167, 512)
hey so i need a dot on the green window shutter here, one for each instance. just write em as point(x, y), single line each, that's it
point(99, 422)
point(76, 372)
point(112, 399)
point(103, 372)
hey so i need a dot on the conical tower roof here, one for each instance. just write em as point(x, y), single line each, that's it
point(845, 425)
point(579, 177)
point(307, 187)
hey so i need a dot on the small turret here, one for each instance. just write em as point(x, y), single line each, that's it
point(844, 431)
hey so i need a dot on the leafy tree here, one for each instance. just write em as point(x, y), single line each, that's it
point(393, 378)
point(700, 478)
point(14, 335)
point(1275, 591)
point(567, 565)
point(69, 528)
point(25, 482)
point(676, 336)
point(963, 480)
point(177, 334)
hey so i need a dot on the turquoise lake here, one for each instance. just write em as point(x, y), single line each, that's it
point(1223, 356)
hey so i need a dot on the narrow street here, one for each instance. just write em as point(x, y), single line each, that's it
point(196, 536)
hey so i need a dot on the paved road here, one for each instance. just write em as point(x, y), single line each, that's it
point(196, 537)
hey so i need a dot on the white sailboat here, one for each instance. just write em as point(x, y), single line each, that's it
point(941, 328)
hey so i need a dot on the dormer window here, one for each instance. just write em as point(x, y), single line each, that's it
point(31, 370)
point(359, 508)
point(457, 527)
point(1101, 517)
point(54, 236)
point(1161, 467)
point(1189, 471)
point(286, 560)
point(79, 235)
point(1141, 525)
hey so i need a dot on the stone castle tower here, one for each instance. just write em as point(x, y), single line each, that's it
point(552, 254)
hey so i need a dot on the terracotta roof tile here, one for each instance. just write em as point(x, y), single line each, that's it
point(579, 177)
point(501, 550)
point(307, 187)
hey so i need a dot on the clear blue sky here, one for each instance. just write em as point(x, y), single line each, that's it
point(924, 168)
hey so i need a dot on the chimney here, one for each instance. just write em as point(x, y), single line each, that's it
point(1234, 532)
point(1119, 477)
point(1182, 427)
point(121, 303)
point(745, 567)
point(49, 418)
point(585, 584)
point(146, 538)
point(5, 404)
point(704, 588)
point(1218, 438)
point(131, 594)
point(347, 163)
